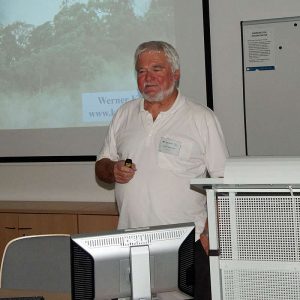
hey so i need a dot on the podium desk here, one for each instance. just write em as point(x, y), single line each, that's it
point(254, 229)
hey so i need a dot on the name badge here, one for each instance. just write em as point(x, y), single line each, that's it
point(169, 146)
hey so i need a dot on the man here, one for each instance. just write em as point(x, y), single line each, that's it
point(170, 140)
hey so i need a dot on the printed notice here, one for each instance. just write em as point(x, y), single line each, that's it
point(259, 49)
point(100, 107)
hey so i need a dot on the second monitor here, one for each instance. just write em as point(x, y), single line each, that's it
point(136, 263)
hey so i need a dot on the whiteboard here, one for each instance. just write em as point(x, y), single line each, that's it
point(271, 69)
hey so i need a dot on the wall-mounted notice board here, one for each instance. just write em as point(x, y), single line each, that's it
point(271, 68)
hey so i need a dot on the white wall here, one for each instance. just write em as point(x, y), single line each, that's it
point(225, 18)
point(52, 182)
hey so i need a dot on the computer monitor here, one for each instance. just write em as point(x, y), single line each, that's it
point(136, 263)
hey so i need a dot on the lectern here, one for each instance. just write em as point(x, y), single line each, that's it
point(254, 228)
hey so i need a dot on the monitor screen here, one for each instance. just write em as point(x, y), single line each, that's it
point(136, 263)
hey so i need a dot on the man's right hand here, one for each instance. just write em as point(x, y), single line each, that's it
point(122, 173)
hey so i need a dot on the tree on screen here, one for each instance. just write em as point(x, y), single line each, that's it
point(84, 48)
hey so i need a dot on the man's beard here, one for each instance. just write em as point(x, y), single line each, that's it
point(160, 96)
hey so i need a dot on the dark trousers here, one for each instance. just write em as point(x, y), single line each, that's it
point(202, 274)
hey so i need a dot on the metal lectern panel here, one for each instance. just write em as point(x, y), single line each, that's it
point(259, 245)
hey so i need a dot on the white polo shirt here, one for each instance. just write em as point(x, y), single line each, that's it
point(184, 142)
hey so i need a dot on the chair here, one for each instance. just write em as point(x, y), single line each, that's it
point(40, 262)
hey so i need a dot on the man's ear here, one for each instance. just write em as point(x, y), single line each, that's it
point(177, 75)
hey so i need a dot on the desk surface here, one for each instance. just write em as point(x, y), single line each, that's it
point(46, 295)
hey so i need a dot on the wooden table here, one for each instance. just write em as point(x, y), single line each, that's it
point(23, 293)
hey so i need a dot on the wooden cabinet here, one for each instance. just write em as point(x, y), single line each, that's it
point(8, 229)
point(30, 218)
point(14, 225)
point(47, 223)
point(94, 223)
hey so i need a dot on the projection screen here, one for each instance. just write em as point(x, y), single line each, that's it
point(66, 66)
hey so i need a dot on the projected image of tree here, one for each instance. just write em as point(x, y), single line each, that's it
point(86, 47)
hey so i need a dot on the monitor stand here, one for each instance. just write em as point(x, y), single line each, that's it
point(140, 273)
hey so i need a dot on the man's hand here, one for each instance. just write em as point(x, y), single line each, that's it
point(204, 237)
point(122, 173)
point(204, 241)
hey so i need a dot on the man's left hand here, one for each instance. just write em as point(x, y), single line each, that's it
point(204, 241)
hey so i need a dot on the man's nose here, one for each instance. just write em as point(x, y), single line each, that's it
point(149, 75)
